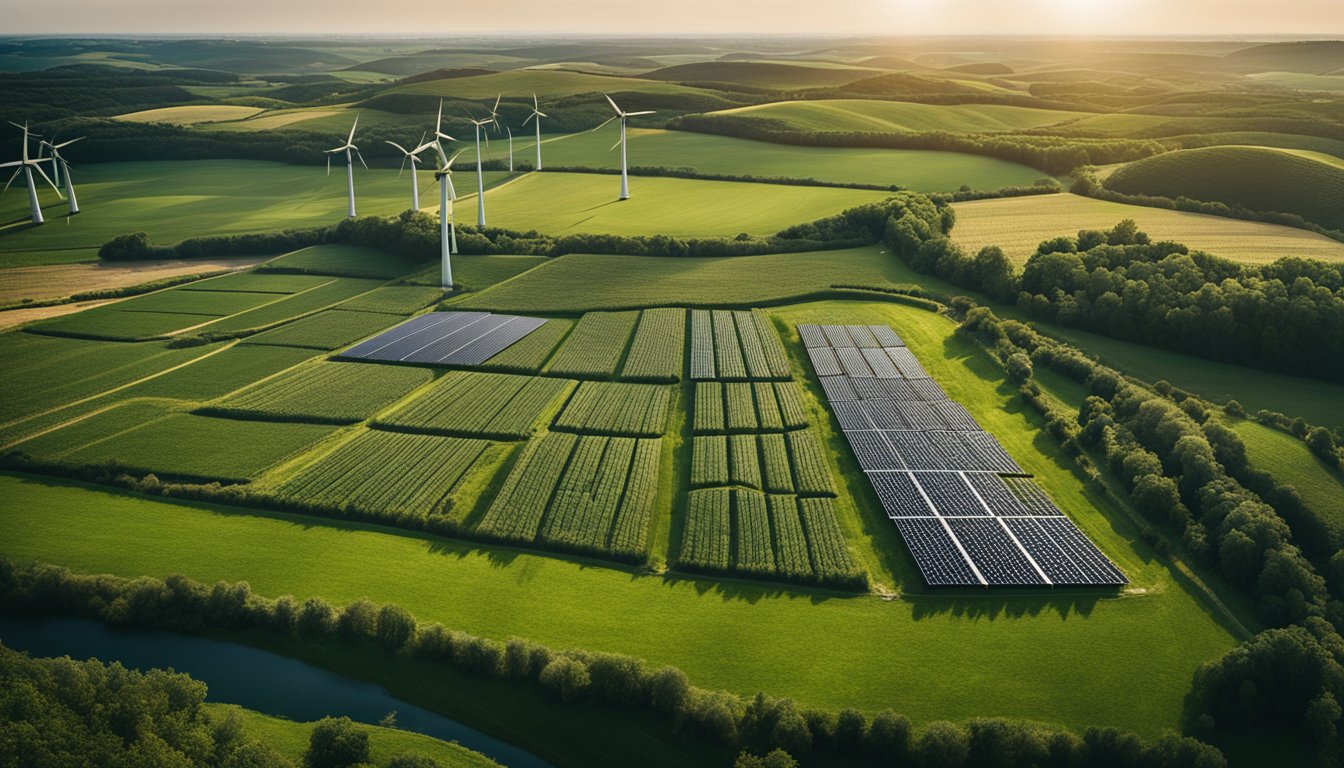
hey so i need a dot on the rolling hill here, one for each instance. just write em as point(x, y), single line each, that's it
point(842, 115)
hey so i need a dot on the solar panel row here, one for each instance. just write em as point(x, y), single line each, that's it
point(939, 476)
point(446, 338)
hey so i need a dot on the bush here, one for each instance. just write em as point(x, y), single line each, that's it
point(336, 743)
point(396, 627)
point(565, 678)
point(943, 745)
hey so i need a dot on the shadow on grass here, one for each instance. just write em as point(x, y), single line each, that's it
point(991, 604)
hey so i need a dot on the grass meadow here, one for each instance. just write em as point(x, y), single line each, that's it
point(919, 170)
point(865, 115)
point(1018, 225)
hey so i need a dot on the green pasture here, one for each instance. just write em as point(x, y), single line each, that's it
point(1290, 461)
point(1301, 80)
point(575, 203)
point(1019, 224)
point(765, 74)
point(191, 114)
point(919, 170)
point(1258, 178)
point(1319, 402)
point(930, 654)
point(173, 201)
point(291, 739)
point(843, 115)
point(584, 282)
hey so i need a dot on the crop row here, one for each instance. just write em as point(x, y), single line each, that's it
point(395, 299)
point(771, 462)
point(737, 345)
point(586, 494)
point(324, 393)
point(390, 475)
point(657, 352)
point(760, 406)
point(595, 346)
point(475, 404)
point(327, 330)
point(606, 408)
point(775, 535)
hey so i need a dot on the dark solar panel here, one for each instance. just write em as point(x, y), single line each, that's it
point(1081, 551)
point(905, 361)
point(884, 414)
point(873, 451)
point(886, 336)
point(900, 389)
point(838, 388)
point(488, 346)
point(862, 336)
point(882, 366)
point(899, 495)
point(1056, 565)
point(837, 335)
point(824, 362)
point(950, 495)
point(812, 336)
point(446, 338)
point(954, 415)
point(850, 415)
point(869, 388)
point(936, 555)
point(994, 552)
point(996, 494)
point(927, 390)
point(851, 360)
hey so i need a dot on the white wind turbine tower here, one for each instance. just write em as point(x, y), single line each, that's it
point(26, 166)
point(447, 226)
point(60, 169)
point(414, 156)
point(348, 147)
point(480, 177)
point(536, 115)
point(625, 178)
point(510, 130)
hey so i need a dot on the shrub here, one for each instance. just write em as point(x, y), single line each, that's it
point(336, 743)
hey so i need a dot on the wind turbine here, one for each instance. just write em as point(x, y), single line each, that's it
point(60, 169)
point(414, 156)
point(27, 165)
point(480, 177)
point(347, 148)
point(625, 180)
point(536, 115)
point(510, 130)
point(447, 226)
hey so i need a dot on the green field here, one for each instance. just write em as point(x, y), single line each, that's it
point(574, 203)
point(1292, 463)
point(1018, 225)
point(1258, 178)
point(768, 74)
point(1319, 402)
point(705, 153)
point(844, 115)
point(565, 284)
point(176, 200)
point(291, 740)
point(550, 82)
point(997, 639)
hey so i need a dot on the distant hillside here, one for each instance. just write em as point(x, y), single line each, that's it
point(982, 68)
point(1315, 57)
point(1257, 178)
point(759, 73)
point(889, 62)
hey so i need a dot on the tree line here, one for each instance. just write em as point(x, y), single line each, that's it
point(580, 679)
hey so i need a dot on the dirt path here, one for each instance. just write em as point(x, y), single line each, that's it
point(13, 317)
point(56, 281)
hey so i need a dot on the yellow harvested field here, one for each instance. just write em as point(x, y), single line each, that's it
point(189, 115)
point(60, 280)
point(1019, 224)
point(16, 317)
point(280, 119)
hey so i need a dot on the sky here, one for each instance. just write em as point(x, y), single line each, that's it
point(436, 18)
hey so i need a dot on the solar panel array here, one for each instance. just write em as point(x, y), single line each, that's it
point(965, 508)
point(446, 338)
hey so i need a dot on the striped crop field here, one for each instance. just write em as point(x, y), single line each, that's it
point(657, 352)
point(404, 478)
point(607, 408)
point(741, 406)
point(775, 536)
point(325, 393)
point(474, 404)
point(579, 493)
point(736, 345)
point(595, 346)
point(328, 330)
point(395, 299)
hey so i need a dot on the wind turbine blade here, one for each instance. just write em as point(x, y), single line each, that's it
point(328, 163)
point(452, 193)
point(449, 164)
point(17, 171)
point(438, 124)
point(535, 105)
point(617, 144)
point(646, 112)
point(65, 144)
point(403, 165)
point(398, 146)
point(352, 130)
point(495, 109)
point(529, 118)
point(612, 103)
point(47, 179)
point(542, 114)
point(361, 160)
point(604, 122)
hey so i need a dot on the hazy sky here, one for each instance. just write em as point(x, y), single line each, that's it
point(869, 17)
